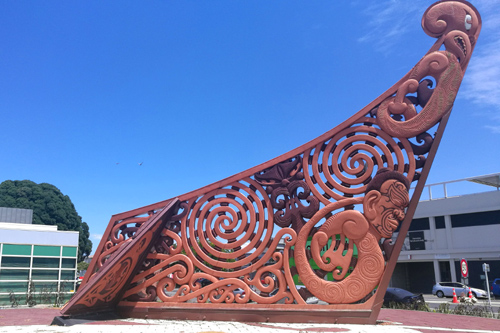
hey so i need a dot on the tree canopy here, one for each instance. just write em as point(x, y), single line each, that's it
point(49, 207)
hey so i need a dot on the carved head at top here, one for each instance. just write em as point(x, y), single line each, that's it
point(457, 23)
point(386, 198)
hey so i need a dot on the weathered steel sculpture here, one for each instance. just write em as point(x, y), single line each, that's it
point(333, 203)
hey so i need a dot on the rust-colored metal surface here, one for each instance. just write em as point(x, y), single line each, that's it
point(107, 285)
point(315, 223)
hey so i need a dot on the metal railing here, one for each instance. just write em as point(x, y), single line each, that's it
point(469, 188)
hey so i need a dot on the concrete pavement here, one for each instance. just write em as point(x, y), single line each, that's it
point(39, 319)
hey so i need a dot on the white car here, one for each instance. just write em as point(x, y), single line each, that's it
point(443, 289)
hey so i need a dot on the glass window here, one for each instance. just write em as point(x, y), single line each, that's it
point(68, 286)
point(45, 262)
point(15, 262)
point(20, 250)
point(440, 222)
point(17, 287)
point(14, 274)
point(420, 224)
point(68, 275)
point(68, 263)
point(49, 251)
point(69, 251)
point(5, 299)
point(45, 287)
point(475, 219)
point(38, 274)
point(417, 225)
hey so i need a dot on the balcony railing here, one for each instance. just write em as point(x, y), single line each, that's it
point(454, 188)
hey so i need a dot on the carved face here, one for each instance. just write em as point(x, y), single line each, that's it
point(385, 209)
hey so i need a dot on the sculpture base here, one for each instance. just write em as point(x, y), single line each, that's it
point(84, 319)
point(277, 313)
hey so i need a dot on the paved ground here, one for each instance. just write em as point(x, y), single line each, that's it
point(39, 319)
point(434, 302)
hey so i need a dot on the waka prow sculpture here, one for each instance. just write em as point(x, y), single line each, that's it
point(316, 221)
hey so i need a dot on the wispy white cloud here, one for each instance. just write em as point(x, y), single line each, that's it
point(96, 237)
point(388, 22)
point(494, 129)
point(482, 82)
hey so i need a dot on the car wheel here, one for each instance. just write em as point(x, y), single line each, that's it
point(440, 294)
point(474, 294)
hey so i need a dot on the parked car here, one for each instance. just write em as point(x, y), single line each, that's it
point(402, 297)
point(445, 289)
point(78, 283)
point(239, 292)
point(204, 282)
point(495, 287)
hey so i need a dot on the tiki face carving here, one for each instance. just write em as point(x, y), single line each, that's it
point(384, 209)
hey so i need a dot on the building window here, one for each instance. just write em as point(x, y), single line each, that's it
point(43, 286)
point(475, 219)
point(14, 274)
point(69, 251)
point(417, 225)
point(15, 262)
point(14, 249)
point(43, 250)
point(420, 224)
point(440, 222)
point(45, 262)
point(15, 286)
point(67, 275)
point(38, 274)
point(69, 263)
point(50, 268)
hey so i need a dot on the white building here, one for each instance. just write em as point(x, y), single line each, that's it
point(35, 253)
point(454, 220)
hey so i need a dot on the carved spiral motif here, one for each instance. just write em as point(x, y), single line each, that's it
point(228, 224)
point(457, 25)
point(442, 18)
point(371, 265)
point(367, 245)
point(344, 165)
point(357, 288)
point(332, 291)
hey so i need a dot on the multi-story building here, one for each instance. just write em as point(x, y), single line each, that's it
point(35, 259)
point(454, 220)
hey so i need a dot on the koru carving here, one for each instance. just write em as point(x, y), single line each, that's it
point(456, 25)
point(383, 207)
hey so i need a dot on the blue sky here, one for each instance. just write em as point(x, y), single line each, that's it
point(199, 90)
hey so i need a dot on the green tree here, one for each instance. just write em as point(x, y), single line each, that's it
point(49, 207)
point(82, 266)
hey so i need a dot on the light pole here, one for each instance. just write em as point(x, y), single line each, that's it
point(486, 269)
